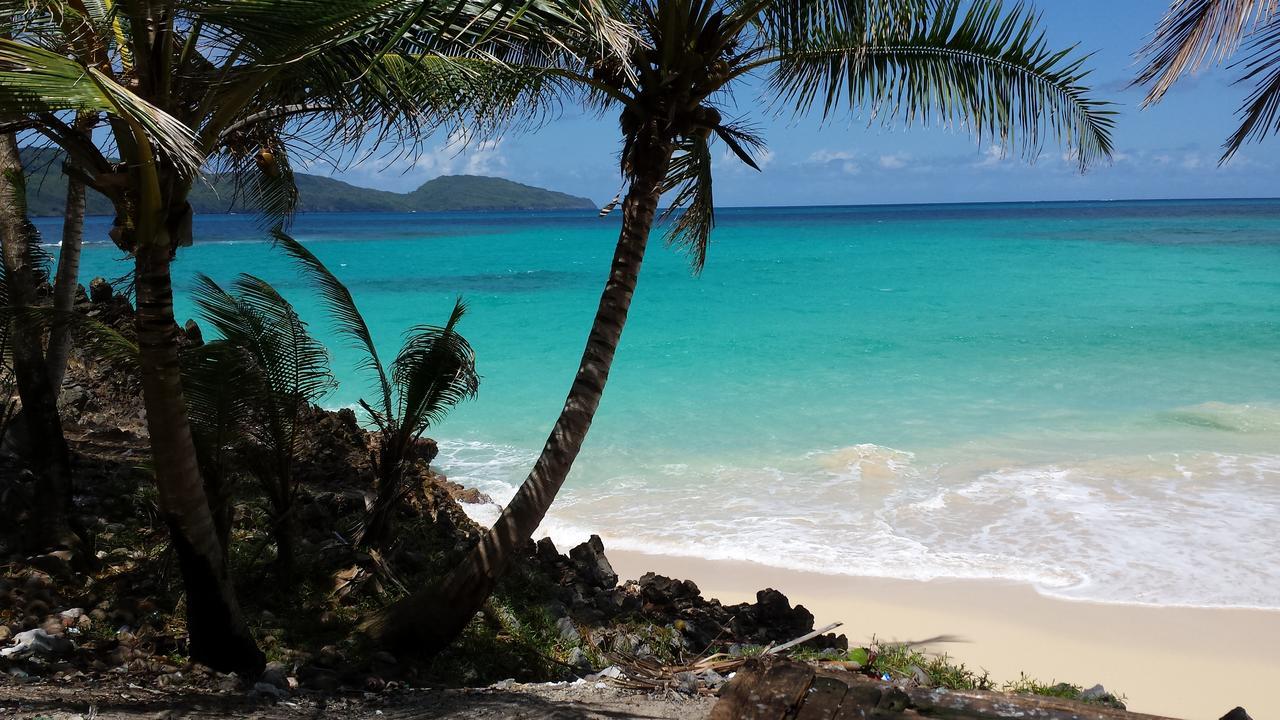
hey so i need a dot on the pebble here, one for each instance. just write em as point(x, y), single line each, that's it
point(713, 679)
point(1097, 692)
point(267, 690)
point(687, 683)
point(578, 659)
point(37, 642)
point(275, 675)
point(568, 632)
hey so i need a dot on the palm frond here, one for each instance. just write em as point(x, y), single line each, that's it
point(1194, 32)
point(346, 317)
point(434, 371)
point(97, 339)
point(991, 73)
point(261, 176)
point(34, 80)
point(692, 209)
point(222, 387)
point(295, 361)
point(1260, 113)
point(288, 368)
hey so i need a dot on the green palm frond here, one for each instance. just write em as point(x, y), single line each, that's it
point(296, 362)
point(97, 339)
point(974, 67)
point(222, 386)
point(1260, 113)
point(289, 369)
point(692, 209)
point(261, 176)
point(1194, 32)
point(434, 371)
point(347, 320)
point(34, 80)
point(263, 324)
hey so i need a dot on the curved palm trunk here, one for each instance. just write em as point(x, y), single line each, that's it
point(66, 281)
point(219, 636)
point(45, 446)
point(430, 619)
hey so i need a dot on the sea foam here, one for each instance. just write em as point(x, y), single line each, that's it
point(1187, 529)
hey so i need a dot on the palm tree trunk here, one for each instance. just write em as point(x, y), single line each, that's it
point(67, 278)
point(218, 633)
point(45, 446)
point(430, 619)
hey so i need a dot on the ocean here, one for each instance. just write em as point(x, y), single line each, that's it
point(1084, 397)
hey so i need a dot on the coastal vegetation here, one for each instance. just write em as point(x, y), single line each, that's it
point(48, 189)
point(236, 85)
point(371, 550)
point(970, 65)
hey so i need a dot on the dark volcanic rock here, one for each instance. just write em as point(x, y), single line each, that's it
point(592, 564)
point(100, 291)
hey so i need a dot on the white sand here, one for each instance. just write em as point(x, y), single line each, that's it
point(1183, 662)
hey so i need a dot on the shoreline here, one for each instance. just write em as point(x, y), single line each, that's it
point(1183, 662)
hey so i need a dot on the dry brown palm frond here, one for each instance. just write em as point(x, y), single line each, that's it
point(1194, 32)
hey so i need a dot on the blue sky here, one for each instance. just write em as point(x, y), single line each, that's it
point(1170, 150)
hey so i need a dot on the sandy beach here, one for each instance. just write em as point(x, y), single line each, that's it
point(1182, 662)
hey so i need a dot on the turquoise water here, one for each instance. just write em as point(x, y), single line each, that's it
point(1080, 396)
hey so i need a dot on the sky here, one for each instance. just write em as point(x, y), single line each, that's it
point(1168, 151)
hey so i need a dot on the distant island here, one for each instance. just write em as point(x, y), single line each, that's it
point(46, 193)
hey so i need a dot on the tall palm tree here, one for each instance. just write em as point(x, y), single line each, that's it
point(1196, 32)
point(43, 443)
point(954, 62)
point(242, 85)
point(67, 278)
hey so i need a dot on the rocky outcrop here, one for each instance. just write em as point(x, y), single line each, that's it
point(608, 613)
point(55, 618)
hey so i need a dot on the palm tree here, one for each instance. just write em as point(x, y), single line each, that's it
point(67, 278)
point(955, 62)
point(241, 85)
point(268, 366)
point(1196, 32)
point(43, 443)
point(432, 373)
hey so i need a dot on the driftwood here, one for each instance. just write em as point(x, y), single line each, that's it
point(778, 689)
point(763, 690)
point(803, 638)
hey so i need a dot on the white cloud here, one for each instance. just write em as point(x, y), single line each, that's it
point(993, 156)
point(826, 156)
point(895, 161)
point(457, 155)
point(847, 160)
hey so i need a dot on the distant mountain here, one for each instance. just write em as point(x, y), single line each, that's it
point(46, 193)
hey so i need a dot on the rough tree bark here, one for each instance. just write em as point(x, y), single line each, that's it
point(67, 279)
point(219, 636)
point(430, 619)
point(44, 445)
